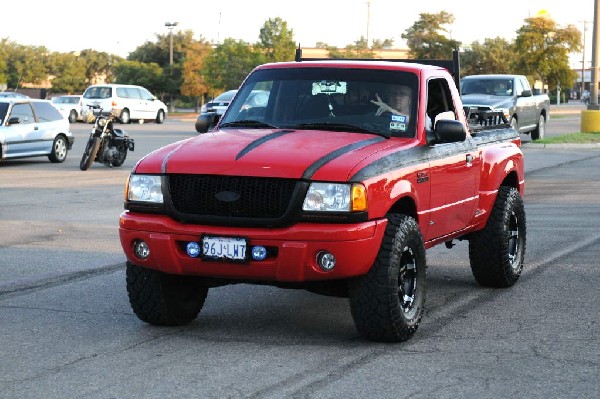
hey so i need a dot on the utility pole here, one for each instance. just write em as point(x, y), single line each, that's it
point(368, 20)
point(170, 26)
point(583, 61)
point(593, 105)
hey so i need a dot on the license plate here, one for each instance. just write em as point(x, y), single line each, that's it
point(224, 248)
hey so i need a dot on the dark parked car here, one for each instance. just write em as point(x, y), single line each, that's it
point(31, 127)
point(257, 100)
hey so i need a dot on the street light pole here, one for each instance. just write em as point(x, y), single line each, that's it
point(170, 26)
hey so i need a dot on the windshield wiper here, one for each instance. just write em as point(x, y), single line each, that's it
point(339, 127)
point(251, 123)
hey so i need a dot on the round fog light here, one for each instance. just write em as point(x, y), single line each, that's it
point(193, 249)
point(259, 252)
point(141, 249)
point(326, 261)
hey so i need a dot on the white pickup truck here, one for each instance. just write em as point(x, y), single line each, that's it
point(511, 94)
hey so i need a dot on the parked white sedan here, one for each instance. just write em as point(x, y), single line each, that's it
point(69, 106)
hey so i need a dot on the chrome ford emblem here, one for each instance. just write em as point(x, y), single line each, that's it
point(227, 196)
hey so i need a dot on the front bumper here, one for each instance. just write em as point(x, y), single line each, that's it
point(355, 247)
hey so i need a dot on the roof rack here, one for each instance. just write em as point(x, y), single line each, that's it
point(453, 65)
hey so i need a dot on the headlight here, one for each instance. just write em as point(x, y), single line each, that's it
point(505, 111)
point(335, 197)
point(145, 188)
point(101, 122)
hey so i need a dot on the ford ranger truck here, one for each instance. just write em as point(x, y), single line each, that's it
point(314, 187)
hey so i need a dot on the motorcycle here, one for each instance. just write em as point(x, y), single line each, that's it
point(106, 144)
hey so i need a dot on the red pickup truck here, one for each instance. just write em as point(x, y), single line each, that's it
point(321, 184)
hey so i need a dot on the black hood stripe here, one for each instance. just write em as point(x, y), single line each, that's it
point(421, 154)
point(261, 141)
point(312, 169)
point(166, 160)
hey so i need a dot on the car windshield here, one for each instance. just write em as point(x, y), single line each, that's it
point(494, 87)
point(98, 92)
point(227, 96)
point(382, 102)
point(65, 100)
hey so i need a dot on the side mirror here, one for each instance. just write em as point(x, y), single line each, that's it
point(448, 131)
point(526, 93)
point(206, 121)
point(14, 120)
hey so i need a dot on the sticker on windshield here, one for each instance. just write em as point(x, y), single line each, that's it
point(398, 123)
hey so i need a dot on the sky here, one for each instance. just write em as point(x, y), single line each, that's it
point(118, 27)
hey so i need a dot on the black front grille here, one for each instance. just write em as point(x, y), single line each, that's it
point(194, 197)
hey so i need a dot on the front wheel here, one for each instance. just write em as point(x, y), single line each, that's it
point(497, 252)
point(540, 130)
point(89, 155)
point(160, 116)
point(164, 299)
point(59, 150)
point(388, 302)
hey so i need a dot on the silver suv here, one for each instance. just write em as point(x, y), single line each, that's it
point(128, 102)
point(30, 128)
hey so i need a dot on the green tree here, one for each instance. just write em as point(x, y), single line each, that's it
point(99, 65)
point(276, 41)
point(426, 40)
point(25, 64)
point(492, 56)
point(147, 74)
point(68, 74)
point(229, 64)
point(158, 52)
point(544, 48)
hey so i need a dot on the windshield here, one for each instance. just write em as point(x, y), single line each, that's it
point(495, 87)
point(379, 101)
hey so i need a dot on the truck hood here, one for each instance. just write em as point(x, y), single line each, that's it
point(487, 99)
point(306, 154)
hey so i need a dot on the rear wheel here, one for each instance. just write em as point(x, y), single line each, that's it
point(59, 150)
point(164, 299)
point(73, 116)
point(497, 252)
point(388, 302)
point(121, 158)
point(89, 155)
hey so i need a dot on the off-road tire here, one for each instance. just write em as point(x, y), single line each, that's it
point(164, 299)
point(388, 302)
point(60, 149)
point(89, 154)
point(497, 252)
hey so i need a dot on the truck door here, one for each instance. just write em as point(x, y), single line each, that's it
point(454, 170)
point(525, 103)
